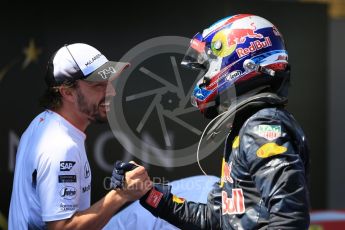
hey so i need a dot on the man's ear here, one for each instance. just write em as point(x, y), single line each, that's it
point(67, 93)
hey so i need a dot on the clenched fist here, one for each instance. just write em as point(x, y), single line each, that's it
point(131, 180)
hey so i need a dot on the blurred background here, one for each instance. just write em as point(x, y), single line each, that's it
point(314, 31)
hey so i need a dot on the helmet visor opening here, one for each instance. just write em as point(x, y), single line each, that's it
point(196, 56)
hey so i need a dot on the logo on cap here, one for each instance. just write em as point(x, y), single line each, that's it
point(89, 62)
point(105, 73)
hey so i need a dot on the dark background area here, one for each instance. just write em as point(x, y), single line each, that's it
point(116, 27)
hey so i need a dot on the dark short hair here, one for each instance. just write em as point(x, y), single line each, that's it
point(52, 99)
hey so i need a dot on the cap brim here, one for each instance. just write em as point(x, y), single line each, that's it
point(108, 70)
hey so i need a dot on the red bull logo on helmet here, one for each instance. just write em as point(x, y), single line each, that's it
point(239, 36)
point(254, 46)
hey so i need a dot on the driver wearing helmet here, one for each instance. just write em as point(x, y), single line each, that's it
point(264, 173)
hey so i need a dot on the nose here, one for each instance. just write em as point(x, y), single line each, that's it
point(110, 91)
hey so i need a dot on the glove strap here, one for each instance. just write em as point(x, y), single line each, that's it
point(155, 199)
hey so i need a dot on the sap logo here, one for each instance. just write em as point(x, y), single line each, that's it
point(86, 188)
point(66, 165)
point(68, 192)
point(105, 73)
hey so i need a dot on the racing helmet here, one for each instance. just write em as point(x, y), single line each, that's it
point(243, 52)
